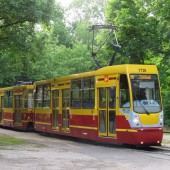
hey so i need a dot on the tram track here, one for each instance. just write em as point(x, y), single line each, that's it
point(159, 152)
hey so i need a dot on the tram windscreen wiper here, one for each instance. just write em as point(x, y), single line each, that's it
point(144, 108)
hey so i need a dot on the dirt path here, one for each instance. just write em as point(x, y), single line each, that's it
point(46, 153)
point(49, 153)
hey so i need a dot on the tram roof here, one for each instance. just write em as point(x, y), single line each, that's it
point(6, 88)
point(23, 87)
point(16, 87)
point(117, 69)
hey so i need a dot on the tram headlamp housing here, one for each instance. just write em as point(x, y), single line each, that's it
point(161, 119)
point(136, 120)
point(133, 119)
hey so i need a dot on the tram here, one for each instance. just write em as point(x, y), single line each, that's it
point(115, 104)
point(16, 107)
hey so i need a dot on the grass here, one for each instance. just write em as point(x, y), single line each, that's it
point(6, 140)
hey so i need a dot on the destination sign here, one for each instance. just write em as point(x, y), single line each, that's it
point(143, 77)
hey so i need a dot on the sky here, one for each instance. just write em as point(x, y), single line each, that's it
point(64, 2)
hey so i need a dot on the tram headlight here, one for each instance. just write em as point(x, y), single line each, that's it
point(136, 121)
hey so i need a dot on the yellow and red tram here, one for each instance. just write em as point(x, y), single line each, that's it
point(17, 107)
point(117, 104)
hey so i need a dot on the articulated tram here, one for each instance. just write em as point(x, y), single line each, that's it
point(115, 104)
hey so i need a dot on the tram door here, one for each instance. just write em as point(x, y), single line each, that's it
point(107, 111)
point(18, 110)
point(55, 109)
point(65, 110)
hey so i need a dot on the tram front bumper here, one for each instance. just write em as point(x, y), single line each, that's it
point(142, 136)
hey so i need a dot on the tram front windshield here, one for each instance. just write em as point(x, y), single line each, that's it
point(146, 93)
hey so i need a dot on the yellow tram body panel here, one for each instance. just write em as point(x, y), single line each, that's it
point(149, 119)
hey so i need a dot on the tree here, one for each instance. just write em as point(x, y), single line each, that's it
point(22, 43)
point(19, 17)
point(160, 11)
point(144, 36)
point(137, 28)
point(82, 14)
point(89, 10)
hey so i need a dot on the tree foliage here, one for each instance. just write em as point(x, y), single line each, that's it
point(137, 28)
point(40, 40)
point(144, 36)
point(18, 19)
point(25, 27)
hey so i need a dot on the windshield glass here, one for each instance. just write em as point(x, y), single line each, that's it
point(146, 93)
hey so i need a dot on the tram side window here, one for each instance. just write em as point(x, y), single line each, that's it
point(46, 95)
point(39, 98)
point(124, 92)
point(76, 93)
point(8, 99)
point(88, 93)
point(43, 96)
point(18, 101)
point(55, 94)
point(28, 100)
point(112, 97)
point(25, 101)
point(65, 98)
